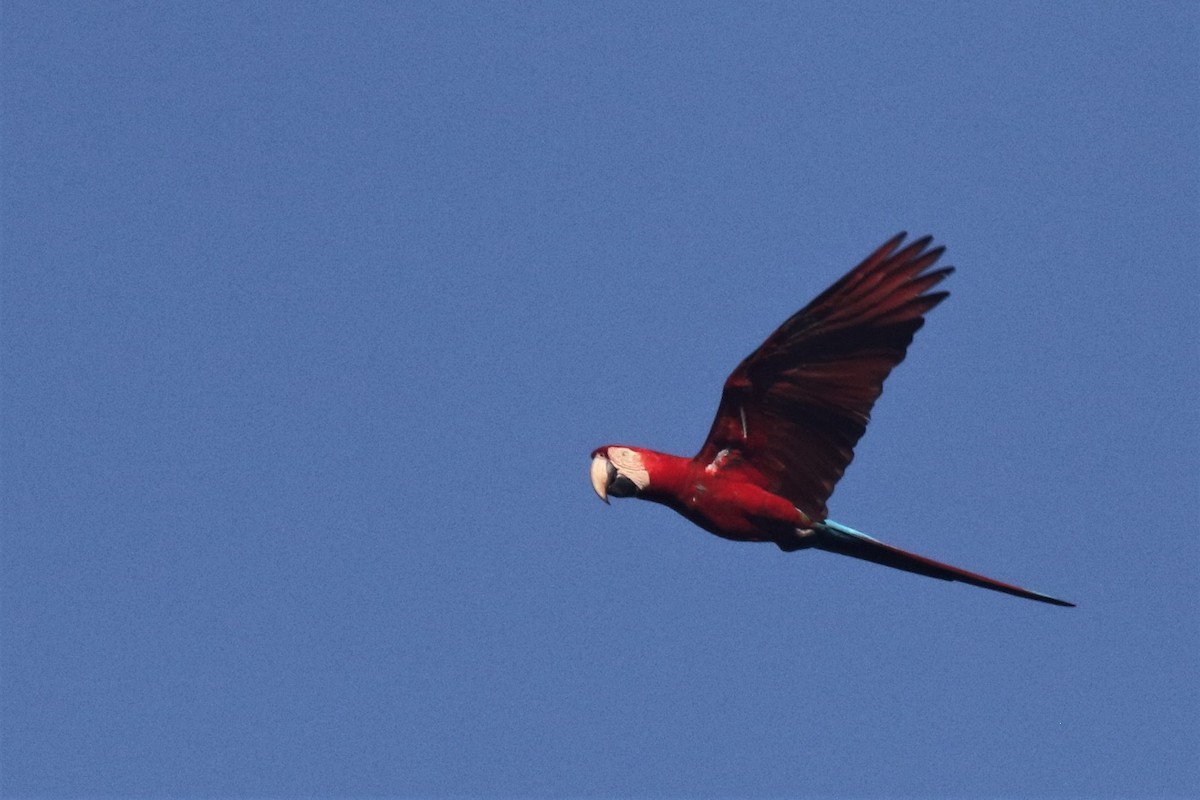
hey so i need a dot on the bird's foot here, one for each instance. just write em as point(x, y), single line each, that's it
point(799, 539)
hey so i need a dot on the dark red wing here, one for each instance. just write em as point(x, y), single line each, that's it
point(795, 408)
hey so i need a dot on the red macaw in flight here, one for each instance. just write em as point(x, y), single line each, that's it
point(789, 418)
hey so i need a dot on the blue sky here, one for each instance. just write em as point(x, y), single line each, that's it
point(312, 314)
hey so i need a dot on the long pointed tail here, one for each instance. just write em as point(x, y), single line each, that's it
point(836, 538)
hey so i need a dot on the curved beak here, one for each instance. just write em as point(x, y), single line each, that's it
point(602, 474)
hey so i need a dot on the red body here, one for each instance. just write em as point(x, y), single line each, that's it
point(790, 416)
point(725, 497)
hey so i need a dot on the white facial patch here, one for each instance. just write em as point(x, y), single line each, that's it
point(630, 464)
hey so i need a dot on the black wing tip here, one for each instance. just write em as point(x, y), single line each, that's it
point(900, 237)
point(916, 257)
point(918, 246)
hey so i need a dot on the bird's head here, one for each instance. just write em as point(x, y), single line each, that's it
point(618, 471)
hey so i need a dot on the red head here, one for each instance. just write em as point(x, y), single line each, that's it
point(619, 471)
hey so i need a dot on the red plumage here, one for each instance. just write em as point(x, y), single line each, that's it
point(790, 416)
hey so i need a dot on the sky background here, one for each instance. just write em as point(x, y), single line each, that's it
point(312, 313)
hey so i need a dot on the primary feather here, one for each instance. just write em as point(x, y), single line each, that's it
point(795, 407)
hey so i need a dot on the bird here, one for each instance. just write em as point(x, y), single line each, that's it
point(790, 415)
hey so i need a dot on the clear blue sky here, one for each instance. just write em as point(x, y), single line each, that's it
point(312, 314)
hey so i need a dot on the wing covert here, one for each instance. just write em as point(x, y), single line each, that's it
point(794, 409)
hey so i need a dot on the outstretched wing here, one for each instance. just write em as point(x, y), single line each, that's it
point(793, 410)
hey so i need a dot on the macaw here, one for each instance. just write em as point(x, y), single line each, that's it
point(790, 415)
